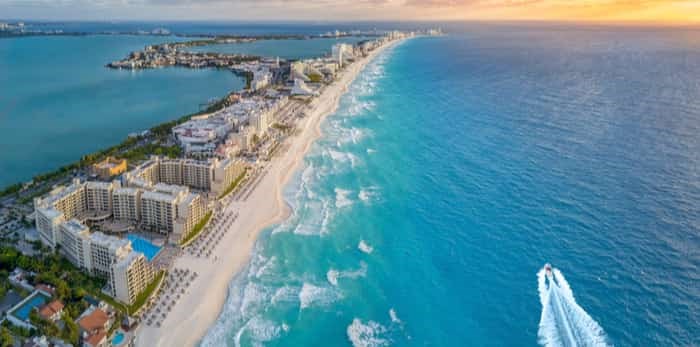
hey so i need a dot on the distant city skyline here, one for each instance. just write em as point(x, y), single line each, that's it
point(673, 11)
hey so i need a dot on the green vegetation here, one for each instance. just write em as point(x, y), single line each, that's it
point(197, 229)
point(248, 78)
point(18, 331)
point(27, 198)
point(143, 152)
point(141, 298)
point(5, 337)
point(110, 300)
point(71, 287)
point(315, 78)
point(234, 184)
point(44, 326)
point(71, 331)
point(12, 189)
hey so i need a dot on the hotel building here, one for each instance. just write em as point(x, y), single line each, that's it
point(126, 204)
point(127, 271)
point(213, 175)
point(109, 167)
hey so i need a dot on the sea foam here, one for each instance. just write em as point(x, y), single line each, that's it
point(342, 198)
point(315, 295)
point(563, 322)
point(366, 334)
point(364, 247)
point(333, 275)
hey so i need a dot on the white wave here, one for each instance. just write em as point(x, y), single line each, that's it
point(315, 295)
point(285, 294)
point(342, 198)
point(314, 219)
point(343, 158)
point(371, 151)
point(333, 275)
point(364, 247)
point(394, 316)
point(254, 295)
point(356, 135)
point(368, 194)
point(358, 107)
point(563, 322)
point(266, 267)
point(366, 335)
point(258, 330)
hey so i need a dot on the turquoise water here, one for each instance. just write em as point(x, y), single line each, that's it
point(59, 102)
point(23, 311)
point(118, 338)
point(455, 167)
point(144, 246)
point(285, 49)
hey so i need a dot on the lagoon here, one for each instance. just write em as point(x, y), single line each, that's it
point(285, 49)
point(59, 101)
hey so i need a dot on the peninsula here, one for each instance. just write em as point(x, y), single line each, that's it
point(150, 239)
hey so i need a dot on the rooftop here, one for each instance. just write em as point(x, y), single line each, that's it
point(50, 309)
point(113, 243)
point(95, 320)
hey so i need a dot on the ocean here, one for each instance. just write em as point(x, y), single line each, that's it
point(456, 167)
point(453, 170)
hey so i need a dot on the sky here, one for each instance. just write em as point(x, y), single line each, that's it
point(670, 11)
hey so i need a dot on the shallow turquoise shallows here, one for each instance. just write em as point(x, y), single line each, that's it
point(58, 101)
point(456, 167)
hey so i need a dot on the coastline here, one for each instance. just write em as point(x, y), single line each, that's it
point(202, 303)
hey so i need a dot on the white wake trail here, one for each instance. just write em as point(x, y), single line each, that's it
point(563, 322)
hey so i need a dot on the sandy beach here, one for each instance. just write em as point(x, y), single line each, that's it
point(201, 304)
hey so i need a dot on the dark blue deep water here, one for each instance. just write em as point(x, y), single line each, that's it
point(457, 166)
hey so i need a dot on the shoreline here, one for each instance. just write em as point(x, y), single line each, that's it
point(202, 303)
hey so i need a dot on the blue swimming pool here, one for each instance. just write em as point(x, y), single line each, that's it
point(35, 300)
point(144, 246)
point(118, 338)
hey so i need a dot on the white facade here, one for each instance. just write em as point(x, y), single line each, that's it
point(126, 204)
point(130, 276)
point(300, 88)
point(261, 79)
point(341, 53)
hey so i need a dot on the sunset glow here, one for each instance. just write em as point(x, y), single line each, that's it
point(665, 11)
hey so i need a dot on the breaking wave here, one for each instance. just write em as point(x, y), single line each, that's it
point(258, 330)
point(316, 295)
point(333, 275)
point(368, 194)
point(342, 198)
point(563, 322)
point(366, 334)
point(364, 247)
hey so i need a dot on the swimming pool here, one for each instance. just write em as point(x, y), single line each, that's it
point(144, 246)
point(118, 338)
point(35, 300)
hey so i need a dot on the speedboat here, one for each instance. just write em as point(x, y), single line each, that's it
point(549, 275)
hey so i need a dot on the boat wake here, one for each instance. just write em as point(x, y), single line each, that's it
point(563, 322)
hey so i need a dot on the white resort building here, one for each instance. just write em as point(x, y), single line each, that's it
point(213, 175)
